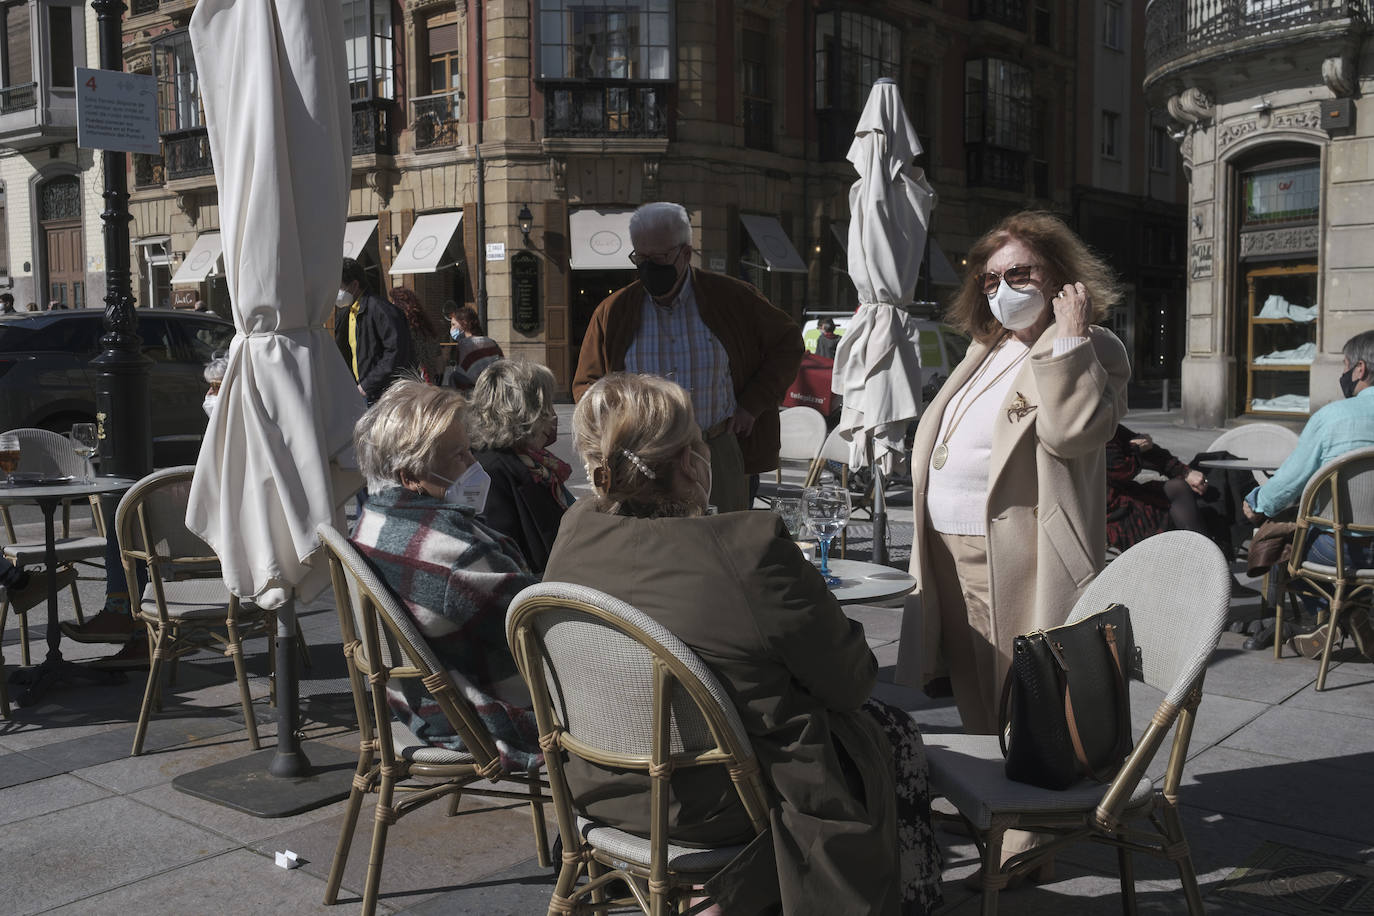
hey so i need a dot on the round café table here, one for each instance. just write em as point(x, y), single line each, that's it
point(47, 496)
point(870, 583)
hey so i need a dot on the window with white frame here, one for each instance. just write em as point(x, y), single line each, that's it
point(178, 88)
point(601, 40)
point(369, 48)
point(63, 37)
point(1111, 129)
point(1111, 26)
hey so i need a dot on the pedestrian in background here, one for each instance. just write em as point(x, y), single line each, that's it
point(371, 334)
point(424, 333)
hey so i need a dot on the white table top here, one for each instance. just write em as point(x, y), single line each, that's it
point(1240, 464)
point(26, 493)
point(869, 583)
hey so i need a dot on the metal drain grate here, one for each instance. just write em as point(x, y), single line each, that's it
point(1297, 882)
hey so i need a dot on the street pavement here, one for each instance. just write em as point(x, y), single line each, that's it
point(1277, 782)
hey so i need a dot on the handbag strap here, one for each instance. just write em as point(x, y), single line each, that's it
point(1004, 713)
point(1123, 713)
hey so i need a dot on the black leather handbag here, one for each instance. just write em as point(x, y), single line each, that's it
point(1065, 710)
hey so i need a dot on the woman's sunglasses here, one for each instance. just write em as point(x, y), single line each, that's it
point(1017, 278)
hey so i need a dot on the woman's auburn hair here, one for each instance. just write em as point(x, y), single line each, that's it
point(1064, 258)
point(647, 416)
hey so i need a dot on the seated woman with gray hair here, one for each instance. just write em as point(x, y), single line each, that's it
point(513, 424)
point(454, 575)
point(846, 836)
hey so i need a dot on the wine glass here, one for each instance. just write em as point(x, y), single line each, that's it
point(789, 509)
point(9, 456)
point(826, 510)
point(84, 443)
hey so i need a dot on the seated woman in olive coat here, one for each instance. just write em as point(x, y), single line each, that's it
point(845, 838)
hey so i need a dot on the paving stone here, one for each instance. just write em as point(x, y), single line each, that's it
point(526, 888)
point(41, 796)
point(67, 855)
point(19, 768)
point(236, 882)
point(1347, 693)
point(243, 829)
point(1307, 734)
point(127, 775)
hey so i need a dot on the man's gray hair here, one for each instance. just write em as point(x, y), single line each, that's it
point(670, 219)
point(1360, 348)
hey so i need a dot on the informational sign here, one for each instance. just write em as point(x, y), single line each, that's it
point(496, 251)
point(717, 265)
point(184, 297)
point(524, 292)
point(116, 111)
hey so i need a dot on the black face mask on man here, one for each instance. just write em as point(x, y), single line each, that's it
point(658, 279)
point(1348, 382)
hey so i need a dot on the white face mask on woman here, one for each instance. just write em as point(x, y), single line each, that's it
point(469, 490)
point(345, 298)
point(1016, 309)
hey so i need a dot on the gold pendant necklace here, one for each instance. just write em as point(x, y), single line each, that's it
point(940, 456)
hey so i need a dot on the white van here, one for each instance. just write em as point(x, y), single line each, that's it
point(941, 346)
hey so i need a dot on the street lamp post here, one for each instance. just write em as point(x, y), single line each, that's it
point(126, 441)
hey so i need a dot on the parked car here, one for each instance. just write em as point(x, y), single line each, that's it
point(941, 347)
point(46, 379)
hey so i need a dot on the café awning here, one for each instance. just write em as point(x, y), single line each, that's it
point(201, 261)
point(427, 242)
point(779, 254)
point(600, 238)
point(356, 236)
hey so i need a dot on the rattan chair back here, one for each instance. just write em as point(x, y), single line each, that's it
point(150, 525)
point(614, 687)
point(1266, 442)
point(42, 451)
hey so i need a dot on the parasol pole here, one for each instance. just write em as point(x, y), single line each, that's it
point(879, 509)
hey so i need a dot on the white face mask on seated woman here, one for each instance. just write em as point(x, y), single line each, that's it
point(469, 489)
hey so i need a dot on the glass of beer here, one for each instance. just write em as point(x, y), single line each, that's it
point(9, 456)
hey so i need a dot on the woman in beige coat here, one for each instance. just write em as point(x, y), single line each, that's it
point(1008, 464)
point(850, 829)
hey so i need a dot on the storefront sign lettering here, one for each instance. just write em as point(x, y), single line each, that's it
point(524, 292)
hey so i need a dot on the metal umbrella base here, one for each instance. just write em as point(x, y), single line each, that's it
point(246, 785)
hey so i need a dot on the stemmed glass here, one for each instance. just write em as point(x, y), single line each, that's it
point(9, 456)
point(84, 444)
point(826, 510)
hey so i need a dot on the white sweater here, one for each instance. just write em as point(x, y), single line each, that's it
point(957, 494)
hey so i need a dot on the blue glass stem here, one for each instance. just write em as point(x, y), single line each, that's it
point(825, 557)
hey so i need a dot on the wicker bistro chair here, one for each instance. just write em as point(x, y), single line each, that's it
point(1257, 441)
point(1177, 586)
point(186, 605)
point(802, 432)
point(613, 687)
point(46, 452)
point(1338, 500)
point(381, 643)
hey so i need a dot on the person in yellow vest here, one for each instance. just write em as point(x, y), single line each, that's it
point(371, 334)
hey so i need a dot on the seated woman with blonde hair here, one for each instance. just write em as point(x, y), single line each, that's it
point(845, 837)
point(454, 575)
point(513, 424)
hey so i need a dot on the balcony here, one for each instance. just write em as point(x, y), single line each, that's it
point(186, 154)
point(1010, 13)
point(149, 171)
point(372, 127)
point(142, 7)
point(993, 167)
point(18, 98)
point(1219, 40)
point(436, 120)
point(610, 109)
point(33, 115)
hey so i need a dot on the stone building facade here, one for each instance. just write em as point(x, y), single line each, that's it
point(51, 242)
point(1269, 102)
point(499, 145)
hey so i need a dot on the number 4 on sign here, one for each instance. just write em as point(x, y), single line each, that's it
point(90, 84)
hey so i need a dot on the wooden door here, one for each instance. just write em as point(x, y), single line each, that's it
point(66, 265)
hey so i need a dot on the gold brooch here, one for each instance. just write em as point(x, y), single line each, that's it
point(1019, 408)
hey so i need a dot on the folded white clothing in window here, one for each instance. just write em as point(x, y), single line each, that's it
point(1278, 307)
point(1287, 403)
point(1298, 356)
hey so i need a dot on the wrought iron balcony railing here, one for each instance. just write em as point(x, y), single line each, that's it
point(758, 124)
point(18, 98)
point(436, 119)
point(1010, 13)
point(142, 7)
point(186, 154)
point(1174, 28)
point(149, 171)
point(613, 108)
point(993, 167)
point(372, 127)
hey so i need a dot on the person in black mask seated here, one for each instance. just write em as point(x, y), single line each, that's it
point(717, 337)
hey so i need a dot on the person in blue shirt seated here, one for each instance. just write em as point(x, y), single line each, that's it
point(1339, 427)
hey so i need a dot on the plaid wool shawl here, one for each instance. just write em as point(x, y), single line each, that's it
point(456, 577)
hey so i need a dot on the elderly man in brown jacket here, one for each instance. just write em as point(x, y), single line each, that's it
point(716, 336)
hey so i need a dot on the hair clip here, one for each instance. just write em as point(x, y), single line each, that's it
point(639, 464)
